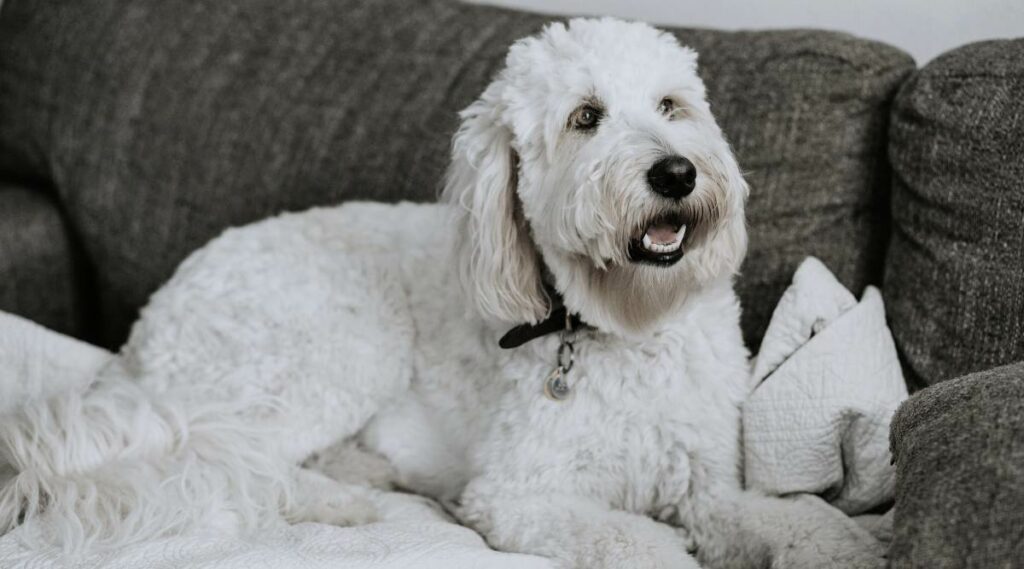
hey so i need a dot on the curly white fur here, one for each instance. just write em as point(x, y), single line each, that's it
point(282, 338)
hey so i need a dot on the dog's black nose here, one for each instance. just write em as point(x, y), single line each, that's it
point(673, 177)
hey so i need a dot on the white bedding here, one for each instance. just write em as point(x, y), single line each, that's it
point(419, 543)
point(827, 381)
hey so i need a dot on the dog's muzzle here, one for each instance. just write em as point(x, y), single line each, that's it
point(661, 241)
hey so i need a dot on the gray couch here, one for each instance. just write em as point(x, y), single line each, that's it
point(132, 131)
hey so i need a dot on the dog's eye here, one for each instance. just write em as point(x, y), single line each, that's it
point(585, 117)
point(668, 107)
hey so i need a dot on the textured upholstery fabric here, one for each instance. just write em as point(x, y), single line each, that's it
point(160, 123)
point(805, 112)
point(38, 277)
point(959, 451)
point(954, 279)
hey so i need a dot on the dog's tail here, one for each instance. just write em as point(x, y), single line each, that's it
point(116, 463)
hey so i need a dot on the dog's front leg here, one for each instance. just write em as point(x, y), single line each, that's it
point(576, 532)
point(748, 529)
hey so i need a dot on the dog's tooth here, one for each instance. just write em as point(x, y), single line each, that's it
point(679, 237)
point(675, 245)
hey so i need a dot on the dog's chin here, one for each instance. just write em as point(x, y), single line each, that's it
point(629, 299)
point(661, 242)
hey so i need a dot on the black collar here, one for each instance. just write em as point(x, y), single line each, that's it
point(555, 322)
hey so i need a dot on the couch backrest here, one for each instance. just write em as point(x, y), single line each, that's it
point(161, 123)
point(954, 282)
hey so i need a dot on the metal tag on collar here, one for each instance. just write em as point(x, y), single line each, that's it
point(556, 387)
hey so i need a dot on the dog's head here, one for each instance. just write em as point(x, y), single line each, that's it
point(594, 154)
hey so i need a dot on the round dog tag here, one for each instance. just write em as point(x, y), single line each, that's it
point(555, 387)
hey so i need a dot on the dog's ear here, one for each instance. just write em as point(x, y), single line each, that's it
point(499, 264)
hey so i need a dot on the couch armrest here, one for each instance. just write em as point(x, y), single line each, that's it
point(959, 453)
point(39, 276)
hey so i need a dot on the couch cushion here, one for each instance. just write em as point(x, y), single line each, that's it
point(959, 453)
point(954, 279)
point(806, 112)
point(163, 122)
point(39, 276)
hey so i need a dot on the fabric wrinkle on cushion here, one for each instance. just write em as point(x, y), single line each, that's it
point(39, 272)
point(170, 121)
point(827, 383)
point(954, 277)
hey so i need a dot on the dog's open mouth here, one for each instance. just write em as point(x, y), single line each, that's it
point(660, 242)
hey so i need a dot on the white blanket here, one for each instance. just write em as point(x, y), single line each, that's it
point(816, 423)
point(418, 541)
point(36, 362)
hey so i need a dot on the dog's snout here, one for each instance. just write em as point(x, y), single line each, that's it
point(673, 177)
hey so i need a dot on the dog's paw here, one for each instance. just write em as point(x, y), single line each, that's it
point(622, 553)
point(323, 500)
point(341, 511)
point(640, 560)
point(810, 558)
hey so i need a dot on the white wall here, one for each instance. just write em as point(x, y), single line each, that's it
point(924, 28)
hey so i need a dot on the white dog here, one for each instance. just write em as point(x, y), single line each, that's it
point(591, 194)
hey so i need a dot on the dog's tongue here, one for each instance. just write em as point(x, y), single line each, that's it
point(662, 233)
